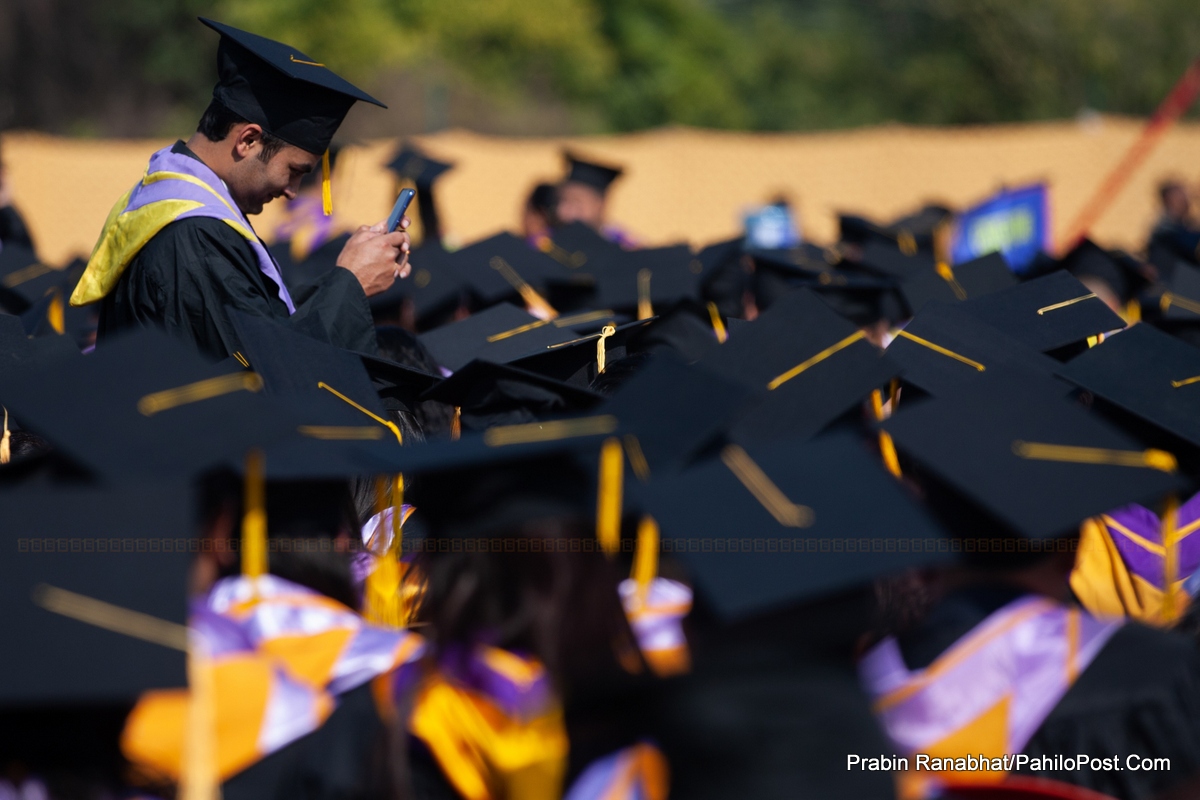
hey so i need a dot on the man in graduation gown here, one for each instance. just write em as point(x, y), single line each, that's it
point(178, 249)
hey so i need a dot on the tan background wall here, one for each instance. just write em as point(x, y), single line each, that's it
point(680, 184)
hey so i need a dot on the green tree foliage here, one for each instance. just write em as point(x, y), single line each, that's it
point(633, 64)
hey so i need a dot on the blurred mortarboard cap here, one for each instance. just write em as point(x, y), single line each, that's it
point(577, 360)
point(944, 284)
point(415, 165)
point(922, 226)
point(888, 259)
point(17, 347)
point(392, 380)
point(805, 502)
point(1046, 313)
point(673, 410)
point(1181, 301)
point(715, 257)
point(577, 246)
point(505, 267)
point(645, 279)
point(291, 95)
point(798, 337)
point(945, 348)
point(491, 394)
point(434, 287)
point(94, 589)
point(143, 404)
point(589, 173)
point(502, 333)
point(1148, 373)
point(860, 230)
point(1118, 270)
point(1037, 464)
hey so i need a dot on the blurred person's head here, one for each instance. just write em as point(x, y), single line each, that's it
point(540, 213)
point(578, 202)
point(256, 166)
point(1175, 201)
point(583, 193)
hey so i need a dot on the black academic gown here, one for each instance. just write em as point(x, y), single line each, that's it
point(347, 758)
point(771, 708)
point(195, 271)
point(1140, 695)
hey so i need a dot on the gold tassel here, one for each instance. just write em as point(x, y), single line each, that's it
point(326, 185)
point(1133, 312)
point(55, 313)
point(645, 559)
point(254, 522)
point(605, 332)
point(199, 778)
point(1170, 558)
point(384, 602)
point(894, 395)
point(456, 424)
point(6, 442)
point(608, 504)
point(877, 404)
point(645, 309)
point(888, 448)
point(717, 324)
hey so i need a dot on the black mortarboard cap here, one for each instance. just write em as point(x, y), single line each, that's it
point(291, 95)
point(495, 268)
point(17, 348)
point(782, 524)
point(291, 363)
point(685, 328)
point(434, 287)
point(502, 333)
point(1119, 270)
point(575, 360)
point(661, 275)
point(1046, 313)
point(797, 338)
point(84, 552)
point(1037, 464)
point(144, 404)
point(415, 165)
point(500, 394)
point(887, 259)
point(1181, 301)
point(945, 348)
point(971, 279)
point(392, 380)
point(860, 230)
point(589, 173)
point(674, 410)
point(836, 383)
point(579, 247)
point(1150, 374)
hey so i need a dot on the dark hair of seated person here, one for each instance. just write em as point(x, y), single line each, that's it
point(24, 443)
point(318, 518)
point(397, 344)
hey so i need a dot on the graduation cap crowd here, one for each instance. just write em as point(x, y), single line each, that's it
point(554, 516)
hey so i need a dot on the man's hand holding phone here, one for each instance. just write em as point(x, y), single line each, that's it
point(378, 254)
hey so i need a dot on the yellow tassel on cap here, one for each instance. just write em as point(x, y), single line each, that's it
point(717, 325)
point(605, 332)
point(254, 523)
point(6, 442)
point(888, 449)
point(384, 600)
point(645, 559)
point(199, 780)
point(326, 185)
point(608, 504)
point(55, 313)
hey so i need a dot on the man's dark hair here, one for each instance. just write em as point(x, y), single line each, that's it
point(217, 122)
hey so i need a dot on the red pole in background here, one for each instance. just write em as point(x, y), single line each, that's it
point(1169, 110)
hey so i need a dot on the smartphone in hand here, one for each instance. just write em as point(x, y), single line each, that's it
point(406, 196)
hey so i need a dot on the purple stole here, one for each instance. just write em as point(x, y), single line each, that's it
point(989, 692)
point(174, 187)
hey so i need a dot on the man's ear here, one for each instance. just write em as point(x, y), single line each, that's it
point(247, 139)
